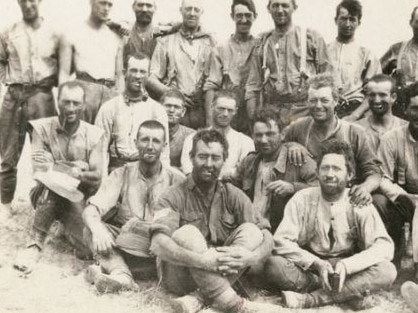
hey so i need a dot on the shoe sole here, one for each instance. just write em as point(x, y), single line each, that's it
point(409, 292)
point(105, 284)
point(92, 272)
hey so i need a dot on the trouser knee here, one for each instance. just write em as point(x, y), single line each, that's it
point(246, 235)
point(279, 273)
point(190, 238)
point(384, 274)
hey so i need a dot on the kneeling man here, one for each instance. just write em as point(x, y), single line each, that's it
point(326, 249)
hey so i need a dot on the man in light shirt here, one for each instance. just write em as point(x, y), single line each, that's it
point(325, 237)
point(224, 108)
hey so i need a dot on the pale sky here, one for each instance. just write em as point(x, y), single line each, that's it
point(384, 21)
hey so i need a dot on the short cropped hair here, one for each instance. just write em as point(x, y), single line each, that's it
point(173, 93)
point(72, 85)
point(353, 7)
point(324, 80)
point(295, 6)
point(382, 78)
point(136, 55)
point(223, 93)
point(208, 136)
point(334, 146)
point(151, 124)
point(248, 3)
point(266, 115)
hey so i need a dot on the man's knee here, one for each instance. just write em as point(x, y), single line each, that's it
point(247, 235)
point(190, 238)
point(384, 274)
point(281, 273)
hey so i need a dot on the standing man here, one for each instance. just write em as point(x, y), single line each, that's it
point(224, 108)
point(67, 158)
point(95, 53)
point(353, 64)
point(29, 66)
point(266, 176)
point(121, 116)
point(181, 60)
point(122, 242)
point(282, 60)
point(175, 105)
point(381, 96)
point(229, 65)
point(324, 236)
point(204, 232)
point(401, 62)
point(307, 135)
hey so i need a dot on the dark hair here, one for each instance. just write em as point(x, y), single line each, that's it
point(353, 7)
point(324, 80)
point(295, 6)
point(136, 55)
point(208, 136)
point(413, 14)
point(151, 124)
point(71, 85)
point(382, 78)
point(338, 147)
point(265, 115)
point(248, 3)
point(173, 93)
point(223, 93)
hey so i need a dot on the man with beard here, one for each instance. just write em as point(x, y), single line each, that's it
point(181, 60)
point(175, 105)
point(229, 65)
point(353, 64)
point(266, 176)
point(95, 53)
point(397, 152)
point(381, 95)
point(327, 250)
point(282, 60)
point(204, 232)
point(224, 108)
point(121, 116)
point(29, 67)
point(121, 243)
point(401, 62)
point(67, 158)
point(306, 136)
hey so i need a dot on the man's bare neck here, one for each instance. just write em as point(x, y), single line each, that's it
point(150, 170)
point(35, 23)
point(281, 30)
point(325, 128)
point(95, 22)
point(345, 40)
point(382, 120)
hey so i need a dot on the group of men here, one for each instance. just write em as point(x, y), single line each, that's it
point(150, 167)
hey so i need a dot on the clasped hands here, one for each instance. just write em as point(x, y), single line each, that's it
point(228, 260)
point(324, 269)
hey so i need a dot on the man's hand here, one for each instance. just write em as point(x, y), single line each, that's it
point(281, 188)
point(121, 28)
point(102, 240)
point(342, 271)
point(360, 196)
point(210, 260)
point(297, 154)
point(234, 259)
point(323, 269)
point(42, 160)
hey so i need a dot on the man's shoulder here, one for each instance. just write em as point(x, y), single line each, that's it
point(185, 131)
point(306, 198)
point(92, 131)
point(364, 122)
point(241, 137)
point(398, 133)
point(176, 176)
point(44, 123)
point(261, 38)
point(111, 104)
point(250, 159)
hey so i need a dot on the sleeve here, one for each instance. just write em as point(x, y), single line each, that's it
point(389, 61)
point(3, 58)
point(255, 75)
point(388, 154)
point(108, 194)
point(323, 61)
point(307, 175)
point(372, 67)
point(377, 244)
point(39, 148)
point(214, 79)
point(104, 120)
point(186, 163)
point(288, 233)
point(158, 67)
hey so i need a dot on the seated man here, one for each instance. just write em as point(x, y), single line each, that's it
point(381, 95)
point(265, 175)
point(205, 234)
point(307, 135)
point(175, 106)
point(119, 234)
point(327, 250)
point(399, 164)
point(62, 144)
point(224, 108)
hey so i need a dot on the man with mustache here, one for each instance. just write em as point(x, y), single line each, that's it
point(181, 60)
point(29, 52)
point(282, 60)
point(229, 65)
point(381, 96)
point(121, 116)
point(353, 64)
point(95, 53)
point(328, 250)
point(117, 216)
point(204, 231)
point(62, 144)
point(306, 135)
point(266, 176)
point(224, 108)
point(397, 152)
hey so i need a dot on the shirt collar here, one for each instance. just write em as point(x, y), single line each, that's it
point(191, 184)
point(60, 130)
point(199, 34)
point(234, 38)
point(337, 127)
point(280, 164)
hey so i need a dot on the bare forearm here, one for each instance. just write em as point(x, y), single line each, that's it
point(371, 183)
point(154, 85)
point(91, 217)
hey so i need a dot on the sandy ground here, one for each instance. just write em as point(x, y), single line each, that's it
point(57, 285)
